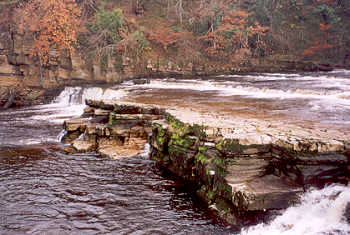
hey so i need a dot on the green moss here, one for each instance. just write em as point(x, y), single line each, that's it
point(202, 149)
point(211, 195)
point(220, 171)
point(178, 151)
point(220, 145)
point(160, 134)
point(102, 105)
point(230, 145)
point(201, 158)
point(111, 119)
point(199, 131)
point(183, 141)
point(184, 129)
point(221, 162)
point(223, 205)
point(116, 107)
point(223, 189)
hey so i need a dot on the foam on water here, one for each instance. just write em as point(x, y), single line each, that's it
point(70, 103)
point(146, 151)
point(319, 212)
point(42, 121)
point(228, 88)
point(77, 95)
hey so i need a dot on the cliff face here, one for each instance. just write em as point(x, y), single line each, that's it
point(23, 75)
point(17, 64)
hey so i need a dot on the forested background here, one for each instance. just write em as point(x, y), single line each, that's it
point(219, 33)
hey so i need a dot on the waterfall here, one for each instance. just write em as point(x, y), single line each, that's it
point(77, 95)
point(321, 211)
point(61, 135)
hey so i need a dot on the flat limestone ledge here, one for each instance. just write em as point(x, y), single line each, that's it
point(125, 107)
point(256, 131)
point(248, 132)
point(239, 180)
point(237, 176)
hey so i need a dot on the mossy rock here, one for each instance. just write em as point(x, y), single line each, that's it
point(183, 141)
point(185, 129)
point(221, 188)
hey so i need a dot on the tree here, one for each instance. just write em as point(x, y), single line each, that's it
point(180, 10)
point(138, 6)
point(232, 33)
point(166, 36)
point(55, 24)
point(105, 30)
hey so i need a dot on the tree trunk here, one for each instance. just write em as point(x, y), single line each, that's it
point(180, 10)
point(137, 7)
point(168, 9)
point(41, 70)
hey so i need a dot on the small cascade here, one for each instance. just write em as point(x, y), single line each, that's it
point(77, 95)
point(82, 135)
point(70, 95)
point(319, 212)
point(146, 151)
point(61, 135)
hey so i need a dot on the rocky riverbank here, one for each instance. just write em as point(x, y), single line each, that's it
point(237, 178)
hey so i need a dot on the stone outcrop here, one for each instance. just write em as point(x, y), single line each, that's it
point(115, 131)
point(236, 178)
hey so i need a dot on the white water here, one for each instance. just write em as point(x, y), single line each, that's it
point(327, 88)
point(319, 212)
point(317, 97)
point(71, 102)
point(40, 123)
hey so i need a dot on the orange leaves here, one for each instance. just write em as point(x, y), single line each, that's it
point(317, 46)
point(232, 33)
point(325, 27)
point(55, 24)
point(236, 19)
point(165, 36)
point(217, 44)
point(257, 29)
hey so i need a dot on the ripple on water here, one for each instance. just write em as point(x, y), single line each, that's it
point(50, 192)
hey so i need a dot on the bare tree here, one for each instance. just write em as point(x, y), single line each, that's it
point(180, 10)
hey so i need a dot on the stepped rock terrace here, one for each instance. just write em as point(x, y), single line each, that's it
point(238, 168)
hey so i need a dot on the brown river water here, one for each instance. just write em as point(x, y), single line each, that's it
point(46, 191)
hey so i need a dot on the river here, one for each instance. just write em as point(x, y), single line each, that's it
point(46, 191)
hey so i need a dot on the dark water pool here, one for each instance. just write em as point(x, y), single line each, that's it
point(44, 191)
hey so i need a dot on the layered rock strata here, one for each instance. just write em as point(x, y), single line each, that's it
point(113, 131)
point(236, 178)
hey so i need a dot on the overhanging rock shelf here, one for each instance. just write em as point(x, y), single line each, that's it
point(236, 178)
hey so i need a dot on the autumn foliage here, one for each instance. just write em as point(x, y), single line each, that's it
point(54, 23)
point(232, 33)
point(165, 36)
point(316, 47)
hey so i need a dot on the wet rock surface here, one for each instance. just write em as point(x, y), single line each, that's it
point(236, 177)
point(111, 130)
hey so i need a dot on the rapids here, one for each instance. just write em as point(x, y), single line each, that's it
point(44, 190)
